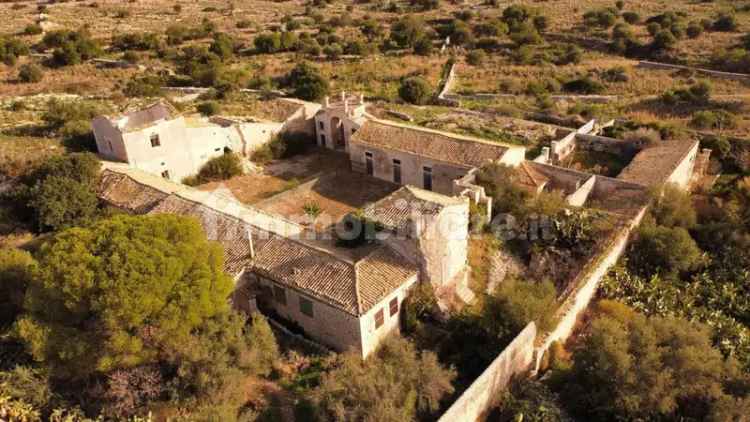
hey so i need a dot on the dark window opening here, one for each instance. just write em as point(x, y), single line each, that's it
point(379, 319)
point(393, 306)
point(279, 295)
point(306, 307)
point(397, 171)
point(369, 164)
point(427, 178)
point(155, 142)
point(165, 174)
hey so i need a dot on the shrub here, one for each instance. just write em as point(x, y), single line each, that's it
point(476, 57)
point(268, 42)
point(406, 31)
point(415, 90)
point(631, 17)
point(333, 51)
point(525, 34)
point(135, 41)
point(694, 30)
point(584, 85)
point(30, 73)
point(144, 86)
point(672, 207)
point(718, 119)
point(665, 250)
point(663, 40)
point(604, 18)
point(725, 22)
point(223, 167)
point(209, 108)
point(423, 46)
point(306, 82)
point(11, 49)
point(518, 302)
point(32, 29)
point(615, 74)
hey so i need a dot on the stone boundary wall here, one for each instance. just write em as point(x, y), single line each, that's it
point(484, 392)
point(577, 301)
point(443, 97)
point(715, 73)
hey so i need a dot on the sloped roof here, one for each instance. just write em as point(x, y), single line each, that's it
point(233, 234)
point(529, 178)
point(442, 146)
point(654, 165)
point(144, 117)
point(396, 210)
point(352, 287)
point(123, 192)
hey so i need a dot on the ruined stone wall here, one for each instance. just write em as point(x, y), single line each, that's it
point(485, 391)
point(444, 245)
point(443, 174)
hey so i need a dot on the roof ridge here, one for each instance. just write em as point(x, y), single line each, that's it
point(452, 135)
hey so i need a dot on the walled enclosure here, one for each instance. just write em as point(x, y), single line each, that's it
point(484, 392)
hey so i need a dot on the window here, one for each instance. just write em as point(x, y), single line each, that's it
point(427, 178)
point(321, 125)
point(165, 174)
point(279, 295)
point(155, 140)
point(306, 306)
point(322, 140)
point(393, 306)
point(368, 163)
point(217, 149)
point(379, 318)
point(109, 143)
point(354, 129)
point(397, 172)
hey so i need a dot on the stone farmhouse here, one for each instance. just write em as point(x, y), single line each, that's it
point(351, 298)
point(159, 140)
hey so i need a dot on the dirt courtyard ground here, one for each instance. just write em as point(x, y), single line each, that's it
point(321, 179)
point(280, 175)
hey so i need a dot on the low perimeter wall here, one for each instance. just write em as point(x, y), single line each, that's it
point(485, 391)
point(579, 299)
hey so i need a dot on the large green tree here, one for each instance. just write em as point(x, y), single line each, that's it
point(120, 292)
point(630, 367)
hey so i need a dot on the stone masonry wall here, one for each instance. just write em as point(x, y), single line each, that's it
point(484, 391)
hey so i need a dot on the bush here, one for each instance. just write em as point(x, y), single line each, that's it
point(32, 29)
point(415, 90)
point(518, 302)
point(584, 85)
point(476, 57)
point(135, 41)
point(604, 18)
point(663, 250)
point(719, 119)
point(144, 86)
point(268, 42)
point(673, 207)
point(423, 46)
point(209, 108)
point(30, 73)
point(11, 49)
point(631, 17)
point(71, 47)
point(333, 51)
point(398, 383)
point(694, 30)
point(223, 167)
point(306, 82)
point(725, 22)
point(406, 31)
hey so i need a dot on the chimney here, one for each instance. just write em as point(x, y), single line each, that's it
point(346, 105)
point(343, 96)
point(327, 102)
point(361, 98)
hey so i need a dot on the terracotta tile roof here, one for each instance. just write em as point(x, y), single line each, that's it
point(654, 165)
point(232, 233)
point(428, 143)
point(121, 191)
point(352, 287)
point(396, 210)
point(529, 178)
